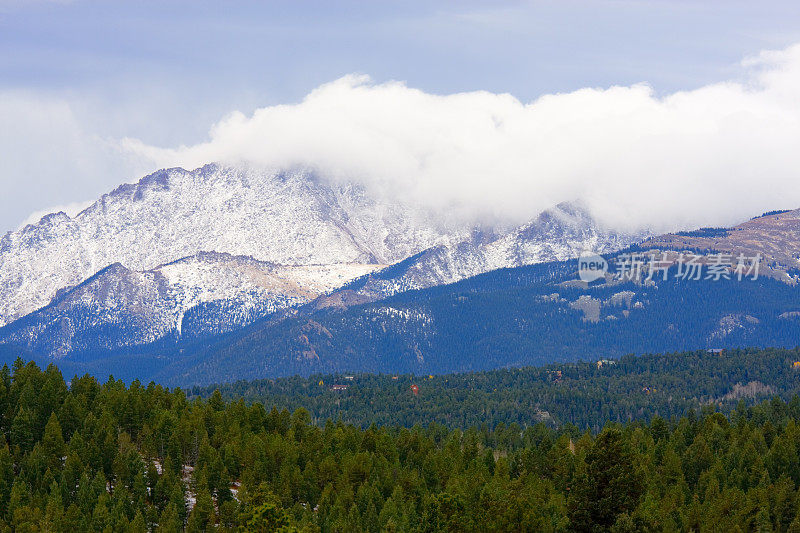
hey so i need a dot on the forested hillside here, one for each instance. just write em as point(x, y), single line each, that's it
point(524, 316)
point(102, 457)
point(582, 394)
point(532, 315)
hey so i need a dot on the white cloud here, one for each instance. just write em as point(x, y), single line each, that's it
point(71, 210)
point(49, 155)
point(709, 156)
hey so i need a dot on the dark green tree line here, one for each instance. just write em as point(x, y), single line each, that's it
point(87, 456)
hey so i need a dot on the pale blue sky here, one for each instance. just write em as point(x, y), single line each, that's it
point(164, 71)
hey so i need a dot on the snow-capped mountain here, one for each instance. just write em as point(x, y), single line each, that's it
point(281, 217)
point(198, 296)
point(184, 255)
point(557, 234)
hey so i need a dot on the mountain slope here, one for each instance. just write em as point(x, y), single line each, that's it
point(288, 217)
point(557, 234)
point(194, 297)
point(521, 316)
point(507, 317)
point(775, 237)
point(186, 255)
point(494, 320)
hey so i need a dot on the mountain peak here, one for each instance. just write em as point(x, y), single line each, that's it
point(285, 217)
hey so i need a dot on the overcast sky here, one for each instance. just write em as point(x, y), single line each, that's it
point(95, 93)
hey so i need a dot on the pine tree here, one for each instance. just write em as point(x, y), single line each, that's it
point(101, 516)
point(216, 403)
point(138, 524)
point(609, 486)
point(22, 429)
point(53, 443)
point(170, 521)
point(6, 475)
point(54, 512)
point(202, 515)
point(20, 497)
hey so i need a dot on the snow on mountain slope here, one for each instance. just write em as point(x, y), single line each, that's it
point(188, 254)
point(557, 234)
point(287, 217)
point(560, 233)
point(205, 294)
point(211, 293)
point(210, 276)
